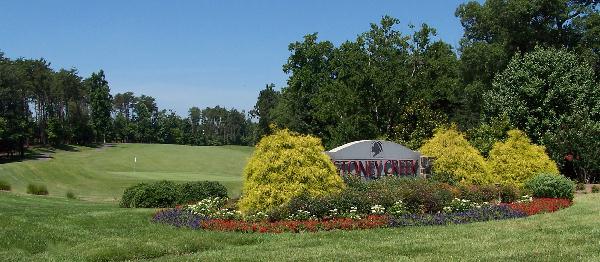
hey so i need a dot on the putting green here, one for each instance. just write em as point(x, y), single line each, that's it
point(101, 174)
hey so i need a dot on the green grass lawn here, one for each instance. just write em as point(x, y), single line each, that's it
point(101, 174)
point(34, 228)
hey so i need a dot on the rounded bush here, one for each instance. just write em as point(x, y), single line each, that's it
point(285, 165)
point(158, 194)
point(198, 190)
point(551, 186)
point(168, 194)
point(455, 160)
point(516, 160)
point(127, 200)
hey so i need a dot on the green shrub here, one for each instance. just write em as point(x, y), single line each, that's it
point(580, 186)
point(37, 189)
point(168, 194)
point(196, 191)
point(516, 160)
point(509, 193)
point(129, 195)
point(479, 194)
point(4, 186)
point(455, 160)
point(286, 165)
point(158, 194)
point(487, 134)
point(595, 189)
point(70, 195)
point(550, 185)
point(417, 196)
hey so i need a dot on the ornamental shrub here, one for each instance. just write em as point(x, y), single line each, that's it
point(455, 160)
point(167, 193)
point(127, 200)
point(198, 190)
point(479, 194)
point(595, 189)
point(516, 160)
point(550, 186)
point(158, 194)
point(285, 165)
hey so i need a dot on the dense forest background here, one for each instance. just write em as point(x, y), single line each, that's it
point(531, 65)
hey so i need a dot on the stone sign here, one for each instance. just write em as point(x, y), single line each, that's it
point(376, 158)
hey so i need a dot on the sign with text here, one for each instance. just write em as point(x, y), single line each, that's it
point(375, 158)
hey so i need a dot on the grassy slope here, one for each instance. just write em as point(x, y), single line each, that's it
point(44, 228)
point(102, 174)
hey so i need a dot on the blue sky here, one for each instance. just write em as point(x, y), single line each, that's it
point(196, 53)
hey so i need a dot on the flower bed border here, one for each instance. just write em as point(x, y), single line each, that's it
point(179, 217)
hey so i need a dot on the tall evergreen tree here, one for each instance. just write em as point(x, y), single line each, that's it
point(101, 104)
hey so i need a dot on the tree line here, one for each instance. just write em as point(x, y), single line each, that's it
point(389, 85)
point(41, 106)
point(531, 65)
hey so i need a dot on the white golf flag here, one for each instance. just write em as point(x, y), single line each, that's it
point(135, 159)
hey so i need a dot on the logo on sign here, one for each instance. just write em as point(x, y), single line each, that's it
point(376, 149)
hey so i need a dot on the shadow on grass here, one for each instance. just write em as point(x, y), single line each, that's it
point(46, 152)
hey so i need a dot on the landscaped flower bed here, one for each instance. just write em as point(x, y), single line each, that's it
point(540, 205)
point(205, 216)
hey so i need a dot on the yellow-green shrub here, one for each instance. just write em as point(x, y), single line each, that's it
point(517, 159)
point(455, 159)
point(285, 165)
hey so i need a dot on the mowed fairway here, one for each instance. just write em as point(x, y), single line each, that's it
point(101, 174)
point(34, 228)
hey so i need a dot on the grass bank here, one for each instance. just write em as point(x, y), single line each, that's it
point(101, 174)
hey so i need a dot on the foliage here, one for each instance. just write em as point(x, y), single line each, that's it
point(479, 194)
point(199, 190)
point(371, 87)
point(418, 122)
point(37, 189)
point(100, 103)
point(580, 186)
point(4, 186)
point(167, 193)
point(497, 30)
point(575, 146)
point(390, 195)
point(487, 134)
point(264, 109)
point(157, 194)
point(517, 159)
point(285, 165)
point(595, 189)
point(455, 160)
point(509, 193)
point(550, 186)
point(550, 94)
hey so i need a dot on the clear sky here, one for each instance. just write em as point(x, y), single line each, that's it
point(196, 53)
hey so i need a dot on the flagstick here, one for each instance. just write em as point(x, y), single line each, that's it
point(134, 161)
